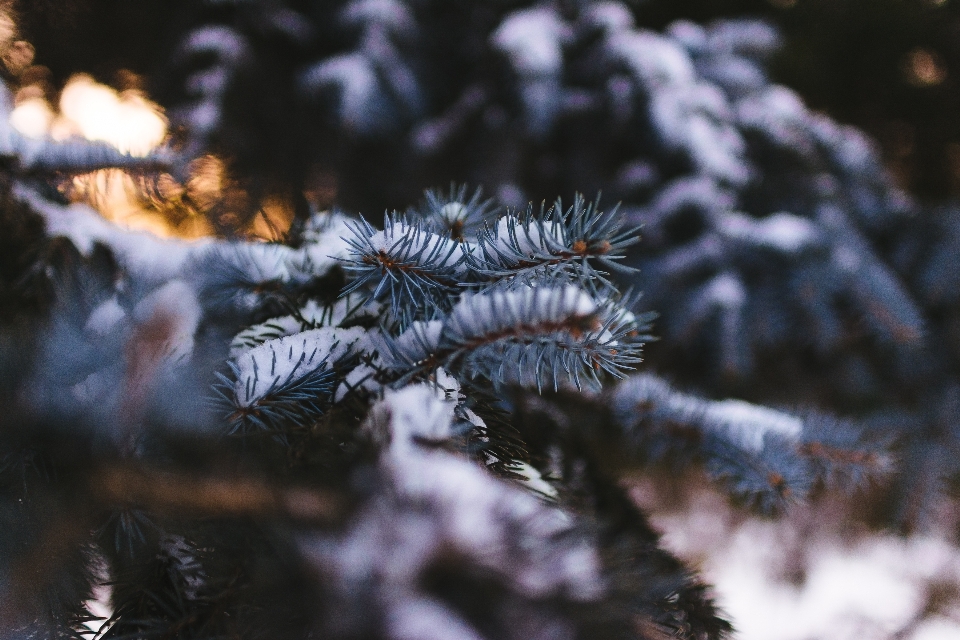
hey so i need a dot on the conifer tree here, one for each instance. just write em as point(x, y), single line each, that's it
point(416, 426)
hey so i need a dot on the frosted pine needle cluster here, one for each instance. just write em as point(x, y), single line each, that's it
point(551, 320)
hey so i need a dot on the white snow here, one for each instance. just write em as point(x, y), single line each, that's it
point(417, 412)
point(360, 377)
point(426, 619)
point(143, 254)
point(697, 118)
point(747, 424)
point(256, 334)
point(223, 40)
point(453, 212)
point(533, 480)
point(393, 15)
point(94, 388)
point(473, 418)
point(781, 231)
point(403, 242)
point(715, 147)
point(611, 16)
point(655, 61)
point(743, 37)
point(311, 313)
point(446, 382)
point(511, 235)
point(324, 245)
point(105, 317)
point(856, 151)
point(847, 258)
point(742, 423)
point(156, 260)
point(533, 40)
point(288, 359)
point(852, 585)
point(480, 314)
point(689, 115)
point(725, 290)
point(780, 114)
point(441, 503)
point(692, 36)
point(417, 343)
point(482, 515)
point(477, 514)
point(260, 261)
point(357, 79)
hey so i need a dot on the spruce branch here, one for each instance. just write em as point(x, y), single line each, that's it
point(533, 336)
point(286, 382)
point(560, 244)
point(766, 457)
point(457, 215)
point(413, 267)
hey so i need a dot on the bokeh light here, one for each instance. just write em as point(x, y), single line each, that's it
point(131, 122)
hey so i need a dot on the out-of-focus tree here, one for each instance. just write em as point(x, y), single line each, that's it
point(891, 67)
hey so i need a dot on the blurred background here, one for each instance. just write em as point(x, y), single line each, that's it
point(889, 67)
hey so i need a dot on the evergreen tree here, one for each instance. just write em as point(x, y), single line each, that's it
point(416, 426)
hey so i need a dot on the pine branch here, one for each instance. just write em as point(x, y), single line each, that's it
point(766, 457)
point(559, 244)
point(459, 217)
point(285, 383)
point(413, 267)
point(532, 336)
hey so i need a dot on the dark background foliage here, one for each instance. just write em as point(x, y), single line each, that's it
point(889, 67)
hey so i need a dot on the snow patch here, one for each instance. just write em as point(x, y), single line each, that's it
point(747, 424)
point(287, 359)
point(483, 314)
point(105, 317)
point(533, 40)
point(784, 232)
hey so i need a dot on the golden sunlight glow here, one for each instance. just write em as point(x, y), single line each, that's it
point(274, 220)
point(115, 195)
point(924, 68)
point(126, 120)
point(207, 181)
point(134, 124)
point(33, 117)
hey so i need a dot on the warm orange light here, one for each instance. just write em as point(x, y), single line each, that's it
point(924, 68)
point(33, 117)
point(272, 222)
point(134, 124)
point(126, 119)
